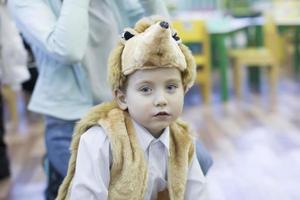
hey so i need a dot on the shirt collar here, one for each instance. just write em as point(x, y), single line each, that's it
point(145, 138)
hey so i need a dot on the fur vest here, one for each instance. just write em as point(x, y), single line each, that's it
point(128, 175)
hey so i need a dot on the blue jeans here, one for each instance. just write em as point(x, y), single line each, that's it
point(58, 133)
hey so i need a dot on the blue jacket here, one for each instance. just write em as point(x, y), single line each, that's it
point(59, 37)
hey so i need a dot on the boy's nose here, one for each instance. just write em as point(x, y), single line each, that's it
point(160, 100)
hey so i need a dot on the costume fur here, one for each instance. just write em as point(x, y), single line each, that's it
point(129, 170)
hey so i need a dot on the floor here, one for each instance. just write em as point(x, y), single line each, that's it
point(26, 150)
point(255, 147)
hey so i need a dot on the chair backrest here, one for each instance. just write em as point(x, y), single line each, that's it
point(271, 37)
point(193, 33)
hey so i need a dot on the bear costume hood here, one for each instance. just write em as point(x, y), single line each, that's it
point(151, 44)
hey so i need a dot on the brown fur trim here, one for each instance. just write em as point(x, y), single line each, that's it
point(115, 76)
point(128, 174)
point(189, 75)
point(181, 154)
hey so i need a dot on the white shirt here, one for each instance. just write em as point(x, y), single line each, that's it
point(91, 178)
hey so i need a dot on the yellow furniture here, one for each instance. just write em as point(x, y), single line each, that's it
point(287, 15)
point(193, 33)
point(267, 57)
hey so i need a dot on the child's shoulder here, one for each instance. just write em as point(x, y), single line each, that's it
point(94, 135)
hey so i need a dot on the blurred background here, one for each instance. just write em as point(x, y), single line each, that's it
point(244, 105)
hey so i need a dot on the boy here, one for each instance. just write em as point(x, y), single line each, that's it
point(134, 147)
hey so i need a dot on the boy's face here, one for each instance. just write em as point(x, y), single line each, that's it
point(153, 97)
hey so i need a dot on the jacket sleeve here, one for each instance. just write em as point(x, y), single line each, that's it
point(155, 7)
point(62, 37)
point(136, 9)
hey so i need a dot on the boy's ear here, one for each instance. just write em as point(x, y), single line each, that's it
point(121, 99)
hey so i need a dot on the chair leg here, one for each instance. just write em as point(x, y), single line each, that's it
point(237, 76)
point(273, 78)
point(206, 92)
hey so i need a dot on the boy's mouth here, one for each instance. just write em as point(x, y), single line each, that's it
point(163, 113)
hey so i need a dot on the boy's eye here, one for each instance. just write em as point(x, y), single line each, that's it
point(145, 90)
point(172, 87)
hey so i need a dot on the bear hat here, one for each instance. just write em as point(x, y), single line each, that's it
point(151, 44)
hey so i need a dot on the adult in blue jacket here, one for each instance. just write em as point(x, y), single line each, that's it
point(71, 41)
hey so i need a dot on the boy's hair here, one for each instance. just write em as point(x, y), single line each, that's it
point(171, 53)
